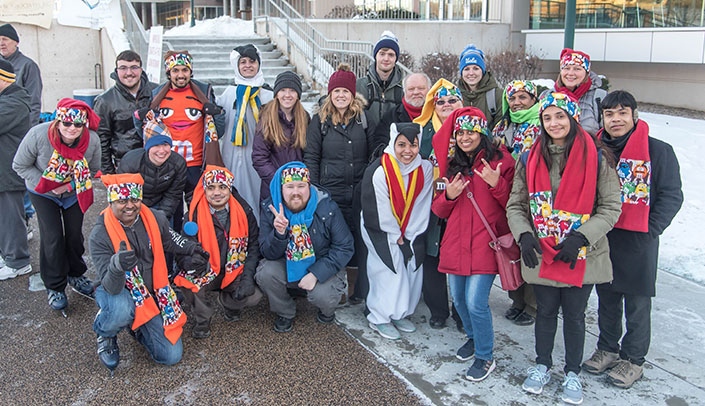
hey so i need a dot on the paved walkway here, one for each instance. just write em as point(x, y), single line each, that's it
point(426, 359)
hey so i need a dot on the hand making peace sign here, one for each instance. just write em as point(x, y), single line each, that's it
point(280, 220)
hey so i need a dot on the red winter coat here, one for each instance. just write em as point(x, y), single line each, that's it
point(465, 246)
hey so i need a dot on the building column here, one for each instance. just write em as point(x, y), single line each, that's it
point(155, 20)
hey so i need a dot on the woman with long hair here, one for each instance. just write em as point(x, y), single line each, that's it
point(57, 160)
point(475, 167)
point(339, 144)
point(564, 200)
point(280, 136)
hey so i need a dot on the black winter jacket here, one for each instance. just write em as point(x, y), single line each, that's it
point(330, 236)
point(15, 110)
point(163, 185)
point(117, 131)
point(337, 157)
point(381, 96)
point(381, 137)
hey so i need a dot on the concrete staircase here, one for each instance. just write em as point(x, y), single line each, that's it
point(211, 58)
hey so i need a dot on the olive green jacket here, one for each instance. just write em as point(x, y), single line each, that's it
point(605, 214)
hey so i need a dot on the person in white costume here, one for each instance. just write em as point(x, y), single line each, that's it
point(396, 201)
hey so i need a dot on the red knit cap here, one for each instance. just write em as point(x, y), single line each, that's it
point(342, 78)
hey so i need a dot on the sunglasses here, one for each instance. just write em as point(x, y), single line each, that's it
point(67, 124)
point(449, 101)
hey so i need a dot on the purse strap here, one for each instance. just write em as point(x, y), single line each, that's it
point(482, 217)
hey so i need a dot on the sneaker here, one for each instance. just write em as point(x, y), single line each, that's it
point(538, 376)
point(229, 315)
point(404, 325)
point(283, 325)
point(57, 300)
point(83, 286)
point(2, 262)
point(322, 318)
point(386, 330)
point(200, 332)
point(572, 389)
point(8, 272)
point(354, 300)
point(480, 369)
point(625, 373)
point(30, 231)
point(466, 351)
point(601, 361)
point(108, 352)
point(523, 319)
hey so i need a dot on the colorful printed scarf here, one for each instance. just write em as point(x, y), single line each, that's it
point(146, 307)
point(401, 197)
point(237, 235)
point(555, 216)
point(300, 253)
point(634, 171)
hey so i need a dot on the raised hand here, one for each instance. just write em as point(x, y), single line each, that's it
point(455, 188)
point(126, 258)
point(280, 220)
point(489, 175)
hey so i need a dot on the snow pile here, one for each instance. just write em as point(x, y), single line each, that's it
point(225, 26)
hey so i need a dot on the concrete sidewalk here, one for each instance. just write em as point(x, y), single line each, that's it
point(426, 359)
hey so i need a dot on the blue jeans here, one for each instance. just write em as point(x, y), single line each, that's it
point(471, 296)
point(28, 208)
point(118, 311)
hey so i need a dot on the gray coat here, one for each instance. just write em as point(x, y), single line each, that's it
point(34, 153)
point(590, 105)
point(604, 215)
point(29, 77)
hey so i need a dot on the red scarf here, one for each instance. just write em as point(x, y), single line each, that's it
point(412, 111)
point(166, 304)
point(401, 197)
point(68, 165)
point(555, 216)
point(237, 237)
point(634, 171)
point(578, 92)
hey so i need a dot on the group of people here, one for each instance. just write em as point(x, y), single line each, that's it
point(391, 185)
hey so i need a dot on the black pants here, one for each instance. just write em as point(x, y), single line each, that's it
point(637, 311)
point(61, 243)
point(524, 299)
point(435, 291)
point(572, 301)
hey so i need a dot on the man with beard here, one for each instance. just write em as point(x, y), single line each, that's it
point(305, 243)
point(132, 91)
point(415, 85)
point(127, 245)
point(382, 87)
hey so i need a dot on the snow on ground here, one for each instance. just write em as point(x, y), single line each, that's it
point(217, 27)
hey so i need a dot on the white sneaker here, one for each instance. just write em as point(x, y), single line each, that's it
point(8, 273)
point(2, 262)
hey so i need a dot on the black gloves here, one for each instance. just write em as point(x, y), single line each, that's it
point(197, 262)
point(570, 247)
point(126, 258)
point(529, 247)
point(245, 288)
point(142, 113)
point(211, 109)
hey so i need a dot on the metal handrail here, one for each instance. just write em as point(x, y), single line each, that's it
point(136, 34)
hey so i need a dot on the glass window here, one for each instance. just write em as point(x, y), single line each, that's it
point(547, 14)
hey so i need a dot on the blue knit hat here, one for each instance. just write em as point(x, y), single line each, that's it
point(156, 133)
point(471, 55)
point(387, 40)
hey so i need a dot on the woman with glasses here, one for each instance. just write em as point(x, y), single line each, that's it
point(441, 101)
point(57, 160)
point(478, 86)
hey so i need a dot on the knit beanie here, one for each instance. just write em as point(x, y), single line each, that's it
point(156, 133)
point(572, 57)
point(387, 40)
point(7, 72)
point(471, 55)
point(344, 78)
point(562, 101)
point(7, 30)
point(249, 51)
point(287, 80)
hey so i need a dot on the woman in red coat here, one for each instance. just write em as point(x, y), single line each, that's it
point(471, 165)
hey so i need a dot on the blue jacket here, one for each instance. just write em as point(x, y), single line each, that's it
point(331, 238)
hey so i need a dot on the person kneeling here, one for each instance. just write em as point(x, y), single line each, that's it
point(127, 246)
point(305, 243)
point(228, 230)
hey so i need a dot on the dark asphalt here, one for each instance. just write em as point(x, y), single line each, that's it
point(49, 359)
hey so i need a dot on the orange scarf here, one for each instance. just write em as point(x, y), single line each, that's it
point(401, 197)
point(146, 308)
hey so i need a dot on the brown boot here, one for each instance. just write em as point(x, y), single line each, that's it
point(601, 361)
point(625, 374)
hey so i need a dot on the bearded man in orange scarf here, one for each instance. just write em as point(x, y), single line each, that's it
point(127, 246)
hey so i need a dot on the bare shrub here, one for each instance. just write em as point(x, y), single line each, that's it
point(344, 12)
point(407, 60)
point(511, 64)
point(440, 65)
point(358, 63)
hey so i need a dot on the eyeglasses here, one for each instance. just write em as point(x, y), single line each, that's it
point(133, 68)
point(67, 124)
point(449, 101)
